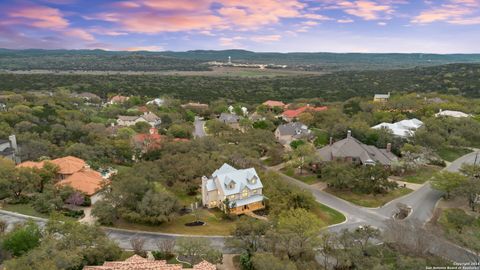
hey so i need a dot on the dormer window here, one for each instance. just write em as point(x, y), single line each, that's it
point(245, 193)
point(253, 180)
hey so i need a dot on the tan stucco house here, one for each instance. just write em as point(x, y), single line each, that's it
point(242, 188)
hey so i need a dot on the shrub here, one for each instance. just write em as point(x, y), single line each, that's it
point(22, 239)
point(160, 255)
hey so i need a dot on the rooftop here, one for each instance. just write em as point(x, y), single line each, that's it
point(139, 263)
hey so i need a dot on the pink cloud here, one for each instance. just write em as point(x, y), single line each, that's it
point(155, 16)
point(41, 16)
point(266, 38)
point(79, 33)
point(462, 12)
point(367, 10)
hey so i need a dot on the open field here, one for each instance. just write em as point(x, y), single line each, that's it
point(215, 71)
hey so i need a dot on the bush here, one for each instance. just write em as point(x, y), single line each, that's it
point(22, 239)
point(160, 255)
point(73, 213)
point(246, 261)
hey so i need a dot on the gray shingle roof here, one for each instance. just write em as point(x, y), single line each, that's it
point(229, 118)
point(295, 129)
point(351, 147)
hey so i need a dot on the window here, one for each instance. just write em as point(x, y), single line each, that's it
point(245, 193)
point(231, 197)
point(255, 191)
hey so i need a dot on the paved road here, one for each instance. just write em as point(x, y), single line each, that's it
point(199, 130)
point(422, 202)
point(122, 237)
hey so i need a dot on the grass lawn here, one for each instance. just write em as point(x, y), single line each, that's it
point(306, 177)
point(28, 210)
point(421, 175)
point(460, 227)
point(25, 209)
point(328, 215)
point(215, 225)
point(369, 200)
point(452, 153)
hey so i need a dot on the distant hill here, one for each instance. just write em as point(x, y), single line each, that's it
point(454, 79)
point(195, 60)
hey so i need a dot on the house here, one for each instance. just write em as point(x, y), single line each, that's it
point(403, 129)
point(147, 117)
point(449, 113)
point(381, 97)
point(352, 150)
point(3, 107)
point(241, 189)
point(158, 101)
point(139, 263)
point(195, 106)
point(149, 141)
point(230, 119)
point(9, 149)
point(290, 115)
point(287, 133)
point(73, 172)
point(273, 103)
point(118, 99)
point(88, 96)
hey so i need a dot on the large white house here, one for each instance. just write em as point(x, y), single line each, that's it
point(404, 128)
point(242, 188)
point(450, 113)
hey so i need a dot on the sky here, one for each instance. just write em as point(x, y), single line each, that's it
point(373, 26)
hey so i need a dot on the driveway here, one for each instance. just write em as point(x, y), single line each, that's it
point(422, 201)
point(199, 130)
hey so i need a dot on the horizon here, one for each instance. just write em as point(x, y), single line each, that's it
point(347, 26)
point(250, 51)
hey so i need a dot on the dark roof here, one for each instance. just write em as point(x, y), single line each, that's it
point(295, 129)
point(351, 147)
point(229, 118)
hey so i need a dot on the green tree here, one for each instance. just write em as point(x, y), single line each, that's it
point(296, 233)
point(267, 261)
point(447, 181)
point(22, 239)
point(105, 212)
point(194, 250)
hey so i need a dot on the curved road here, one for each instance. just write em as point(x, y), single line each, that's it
point(422, 201)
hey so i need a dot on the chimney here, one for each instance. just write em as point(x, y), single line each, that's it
point(13, 142)
point(440, 110)
point(389, 147)
point(331, 140)
point(349, 134)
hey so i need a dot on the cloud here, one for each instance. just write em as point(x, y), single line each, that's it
point(79, 33)
point(145, 48)
point(48, 18)
point(231, 42)
point(345, 21)
point(461, 12)
point(266, 38)
point(40, 16)
point(367, 10)
point(155, 16)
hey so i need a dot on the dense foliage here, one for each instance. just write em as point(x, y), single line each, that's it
point(460, 79)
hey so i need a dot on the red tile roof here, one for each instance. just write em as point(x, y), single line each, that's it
point(66, 165)
point(86, 181)
point(118, 99)
point(297, 112)
point(69, 164)
point(274, 103)
point(138, 263)
point(75, 172)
